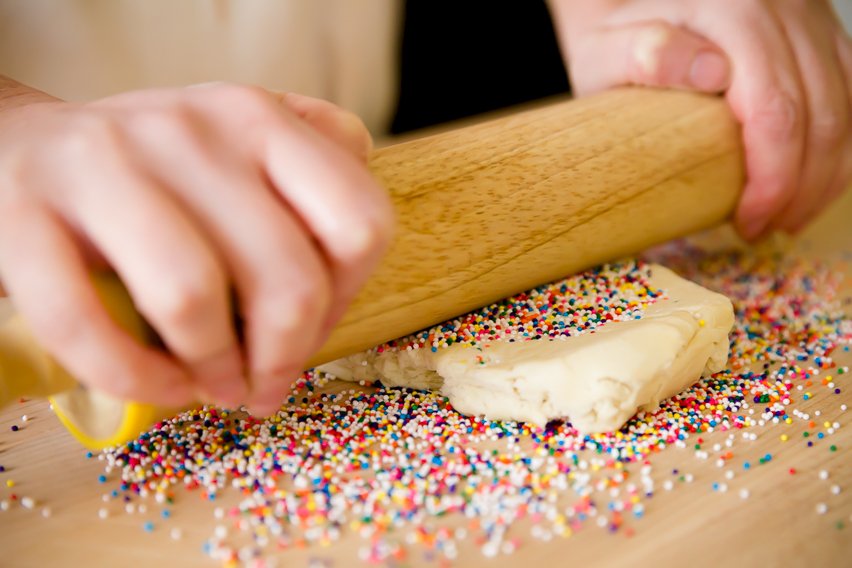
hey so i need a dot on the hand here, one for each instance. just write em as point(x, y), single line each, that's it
point(786, 69)
point(188, 194)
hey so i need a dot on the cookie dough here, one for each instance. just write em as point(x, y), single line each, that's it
point(596, 379)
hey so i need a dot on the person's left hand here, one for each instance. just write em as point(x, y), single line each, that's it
point(784, 65)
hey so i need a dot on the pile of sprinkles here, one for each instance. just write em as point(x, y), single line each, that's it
point(411, 476)
point(569, 307)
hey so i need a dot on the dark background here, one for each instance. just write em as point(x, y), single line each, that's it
point(470, 56)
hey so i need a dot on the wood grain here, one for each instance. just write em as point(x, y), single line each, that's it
point(490, 210)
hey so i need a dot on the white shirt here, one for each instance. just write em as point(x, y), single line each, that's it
point(340, 50)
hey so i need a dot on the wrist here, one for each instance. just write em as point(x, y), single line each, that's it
point(15, 95)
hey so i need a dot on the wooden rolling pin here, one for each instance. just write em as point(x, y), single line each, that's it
point(484, 212)
point(494, 209)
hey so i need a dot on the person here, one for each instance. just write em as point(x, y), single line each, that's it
point(192, 193)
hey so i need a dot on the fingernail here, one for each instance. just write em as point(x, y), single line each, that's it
point(263, 410)
point(218, 378)
point(751, 229)
point(360, 238)
point(709, 72)
point(227, 396)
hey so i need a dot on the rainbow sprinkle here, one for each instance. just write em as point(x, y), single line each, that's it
point(569, 307)
point(391, 464)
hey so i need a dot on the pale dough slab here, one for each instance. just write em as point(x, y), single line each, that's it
point(596, 380)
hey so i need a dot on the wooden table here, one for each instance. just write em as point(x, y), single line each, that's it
point(776, 526)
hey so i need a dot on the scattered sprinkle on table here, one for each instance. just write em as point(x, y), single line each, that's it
point(390, 464)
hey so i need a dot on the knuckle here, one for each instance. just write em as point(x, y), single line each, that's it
point(18, 169)
point(168, 124)
point(779, 115)
point(829, 127)
point(297, 305)
point(91, 135)
point(369, 236)
point(367, 232)
point(246, 98)
point(181, 301)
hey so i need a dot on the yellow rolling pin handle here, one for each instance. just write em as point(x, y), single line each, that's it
point(95, 419)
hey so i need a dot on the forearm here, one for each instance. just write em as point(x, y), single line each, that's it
point(16, 95)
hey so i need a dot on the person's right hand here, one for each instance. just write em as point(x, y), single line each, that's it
point(189, 194)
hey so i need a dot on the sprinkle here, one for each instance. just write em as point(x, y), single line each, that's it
point(10, 483)
point(821, 508)
point(823, 474)
point(148, 527)
point(389, 464)
point(103, 513)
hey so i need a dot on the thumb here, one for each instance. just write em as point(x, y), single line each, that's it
point(654, 54)
point(338, 124)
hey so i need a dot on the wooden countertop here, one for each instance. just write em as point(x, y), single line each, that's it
point(776, 526)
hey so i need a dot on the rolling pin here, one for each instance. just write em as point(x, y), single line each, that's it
point(483, 212)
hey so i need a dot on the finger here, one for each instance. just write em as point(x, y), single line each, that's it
point(843, 178)
point(52, 288)
point(340, 125)
point(330, 191)
point(336, 198)
point(766, 97)
point(842, 182)
point(169, 268)
point(280, 276)
point(651, 53)
point(828, 114)
point(283, 285)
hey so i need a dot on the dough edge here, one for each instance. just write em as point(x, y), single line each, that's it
point(597, 380)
